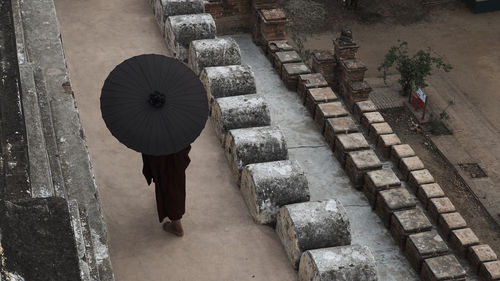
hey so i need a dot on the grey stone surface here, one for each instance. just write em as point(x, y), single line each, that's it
point(37, 240)
point(312, 225)
point(213, 52)
point(325, 176)
point(180, 30)
point(227, 81)
point(254, 145)
point(238, 112)
point(166, 8)
point(268, 186)
point(39, 45)
point(343, 263)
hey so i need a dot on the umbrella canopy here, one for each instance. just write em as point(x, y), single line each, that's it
point(154, 104)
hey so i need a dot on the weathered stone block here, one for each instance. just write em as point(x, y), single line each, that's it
point(340, 125)
point(239, 112)
point(480, 254)
point(377, 129)
point(408, 164)
point(355, 91)
point(274, 46)
point(401, 151)
point(348, 142)
point(283, 57)
point(343, 263)
point(290, 74)
point(316, 96)
point(344, 52)
point(216, 9)
point(324, 62)
point(423, 245)
point(309, 81)
point(268, 186)
point(272, 25)
point(180, 30)
point(490, 271)
point(362, 107)
point(227, 81)
point(442, 268)
point(264, 4)
point(166, 8)
point(360, 162)
point(449, 222)
point(427, 191)
point(351, 70)
point(312, 225)
point(328, 110)
point(462, 239)
point(254, 145)
point(213, 52)
point(391, 200)
point(368, 118)
point(385, 142)
point(438, 206)
point(379, 180)
point(406, 222)
point(417, 178)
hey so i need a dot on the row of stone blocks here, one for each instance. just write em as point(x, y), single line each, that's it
point(450, 223)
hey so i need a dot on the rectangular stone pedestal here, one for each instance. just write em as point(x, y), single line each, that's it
point(462, 239)
point(368, 118)
point(490, 271)
point(401, 151)
point(389, 201)
point(328, 110)
point(274, 46)
point(404, 223)
point(480, 254)
point(281, 58)
point(358, 163)
point(417, 178)
point(423, 245)
point(442, 268)
point(272, 25)
point(449, 222)
point(316, 96)
point(426, 192)
point(290, 74)
point(385, 142)
point(348, 142)
point(336, 126)
point(324, 62)
point(378, 129)
point(309, 81)
point(362, 107)
point(378, 180)
point(438, 206)
point(409, 164)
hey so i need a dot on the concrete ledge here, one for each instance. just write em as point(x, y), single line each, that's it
point(343, 263)
point(268, 186)
point(312, 225)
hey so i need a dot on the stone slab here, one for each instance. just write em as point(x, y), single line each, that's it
point(417, 178)
point(400, 151)
point(345, 143)
point(427, 191)
point(213, 52)
point(377, 129)
point(315, 96)
point(438, 206)
point(308, 81)
point(423, 245)
point(362, 107)
point(480, 254)
point(328, 110)
point(360, 162)
point(449, 222)
point(462, 239)
point(490, 271)
point(391, 200)
point(379, 180)
point(406, 222)
point(442, 268)
point(408, 164)
point(290, 74)
point(385, 142)
point(368, 118)
point(339, 125)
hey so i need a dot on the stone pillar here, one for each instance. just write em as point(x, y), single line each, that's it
point(324, 62)
point(272, 24)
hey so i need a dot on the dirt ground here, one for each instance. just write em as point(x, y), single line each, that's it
point(403, 124)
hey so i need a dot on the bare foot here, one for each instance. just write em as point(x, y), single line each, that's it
point(174, 227)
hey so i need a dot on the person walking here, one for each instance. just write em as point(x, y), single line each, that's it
point(168, 173)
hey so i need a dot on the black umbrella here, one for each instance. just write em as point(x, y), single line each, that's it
point(154, 104)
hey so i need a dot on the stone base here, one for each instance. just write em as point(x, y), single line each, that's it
point(449, 222)
point(213, 52)
point(409, 164)
point(417, 178)
point(389, 201)
point(442, 268)
point(328, 110)
point(358, 163)
point(291, 72)
point(362, 107)
point(404, 223)
point(480, 254)
point(316, 96)
point(438, 206)
point(490, 271)
point(423, 245)
point(426, 192)
point(368, 118)
point(345, 143)
point(462, 239)
point(336, 126)
point(385, 142)
point(401, 151)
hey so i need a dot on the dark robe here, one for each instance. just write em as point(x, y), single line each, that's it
point(168, 174)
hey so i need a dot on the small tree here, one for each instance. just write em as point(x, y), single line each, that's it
point(412, 69)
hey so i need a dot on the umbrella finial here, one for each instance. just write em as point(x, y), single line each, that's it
point(157, 99)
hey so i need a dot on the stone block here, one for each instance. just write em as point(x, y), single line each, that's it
point(254, 145)
point(417, 178)
point(290, 74)
point(449, 222)
point(324, 62)
point(480, 254)
point(378, 180)
point(406, 222)
point(358, 163)
point(239, 112)
point(442, 268)
point(351, 70)
point(316, 96)
point(438, 206)
point(216, 9)
point(462, 239)
point(309, 81)
point(377, 129)
point(339, 125)
point(408, 164)
point(312, 225)
point(283, 57)
point(272, 26)
point(342, 263)
point(268, 186)
point(391, 200)
point(427, 191)
point(423, 245)
point(328, 110)
point(355, 91)
point(227, 81)
point(401, 151)
point(368, 118)
point(181, 30)
point(385, 142)
point(166, 8)
point(362, 107)
point(274, 46)
point(344, 52)
point(264, 4)
point(348, 142)
point(490, 271)
point(213, 52)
